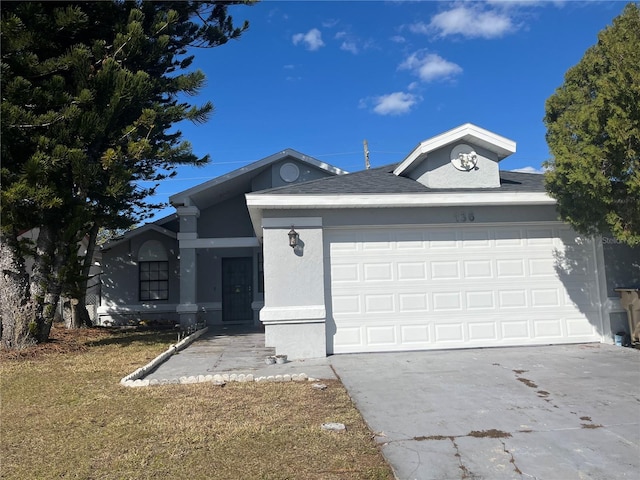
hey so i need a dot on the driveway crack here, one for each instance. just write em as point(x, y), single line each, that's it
point(466, 473)
point(512, 460)
point(216, 363)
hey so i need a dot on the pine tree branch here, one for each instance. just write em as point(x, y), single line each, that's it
point(42, 125)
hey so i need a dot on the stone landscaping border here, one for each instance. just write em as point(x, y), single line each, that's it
point(219, 379)
point(134, 378)
point(142, 371)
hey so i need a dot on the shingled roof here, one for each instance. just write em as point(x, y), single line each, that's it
point(382, 180)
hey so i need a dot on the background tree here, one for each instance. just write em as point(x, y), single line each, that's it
point(90, 93)
point(593, 133)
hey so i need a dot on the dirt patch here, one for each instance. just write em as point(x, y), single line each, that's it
point(61, 341)
point(586, 419)
point(528, 382)
point(542, 393)
point(590, 425)
point(520, 372)
point(493, 433)
point(433, 437)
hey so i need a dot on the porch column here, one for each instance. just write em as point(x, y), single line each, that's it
point(188, 307)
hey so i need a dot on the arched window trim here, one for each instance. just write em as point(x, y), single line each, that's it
point(152, 251)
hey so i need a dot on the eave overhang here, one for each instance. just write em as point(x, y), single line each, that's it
point(258, 203)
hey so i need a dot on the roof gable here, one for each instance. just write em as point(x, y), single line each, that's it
point(464, 157)
point(240, 181)
point(148, 227)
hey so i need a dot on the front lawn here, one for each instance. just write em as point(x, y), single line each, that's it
point(64, 415)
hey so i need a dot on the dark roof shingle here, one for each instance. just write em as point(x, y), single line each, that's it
point(381, 180)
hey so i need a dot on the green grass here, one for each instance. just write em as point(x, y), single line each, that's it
point(64, 415)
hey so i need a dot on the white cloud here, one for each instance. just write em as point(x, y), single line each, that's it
point(332, 22)
point(398, 39)
point(430, 66)
point(349, 47)
point(312, 39)
point(529, 170)
point(468, 22)
point(505, 4)
point(276, 14)
point(396, 103)
point(352, 43)
point(420, 28)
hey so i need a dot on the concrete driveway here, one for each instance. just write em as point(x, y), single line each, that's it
point(547, 413)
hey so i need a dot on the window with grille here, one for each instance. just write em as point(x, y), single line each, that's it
point(153, 276)
point(154, 280)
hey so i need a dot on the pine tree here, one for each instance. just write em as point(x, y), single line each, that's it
point(90, 91)
point(593, 132)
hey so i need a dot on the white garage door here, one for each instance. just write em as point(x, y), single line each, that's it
point(457, 287)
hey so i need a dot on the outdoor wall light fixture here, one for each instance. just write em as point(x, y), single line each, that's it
point(293, 238)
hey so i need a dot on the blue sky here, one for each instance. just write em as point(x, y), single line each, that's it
point(321, 77)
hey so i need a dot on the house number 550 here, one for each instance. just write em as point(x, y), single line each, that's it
point(463, 217)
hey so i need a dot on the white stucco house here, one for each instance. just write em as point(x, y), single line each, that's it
point(441, 250)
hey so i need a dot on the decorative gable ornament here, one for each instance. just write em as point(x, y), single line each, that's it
point(464, 158)
point(289, 172)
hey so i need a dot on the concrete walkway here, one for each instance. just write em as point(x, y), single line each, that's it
point(234, 350)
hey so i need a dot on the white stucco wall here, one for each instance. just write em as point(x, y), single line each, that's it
point(294, 313)
point(437, 171)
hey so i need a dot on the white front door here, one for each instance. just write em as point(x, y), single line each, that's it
point(419, 288)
